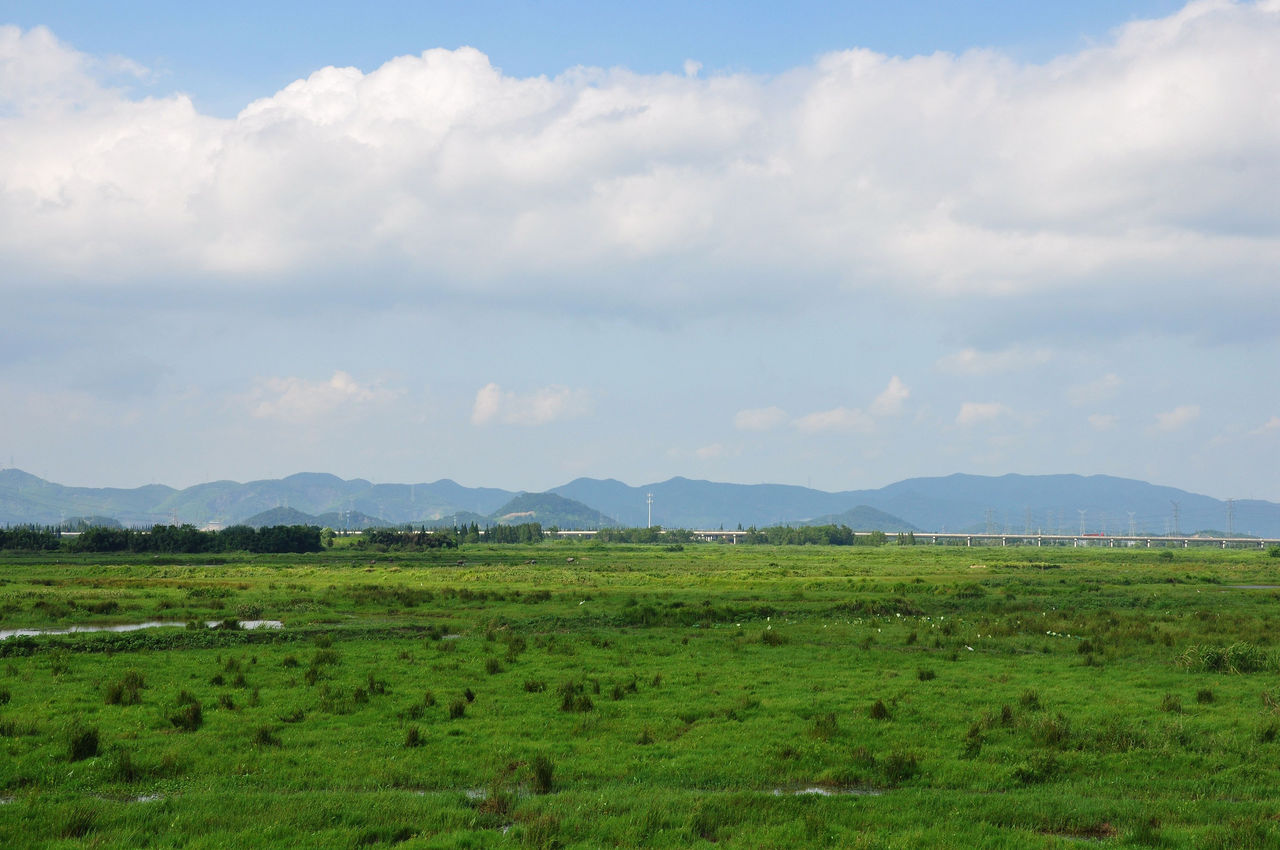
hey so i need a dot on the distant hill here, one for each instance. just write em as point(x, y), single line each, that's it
point(551, 510)
point(279, 516)
point(950, 503)
point(863, 518)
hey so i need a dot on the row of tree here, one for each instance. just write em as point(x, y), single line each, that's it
point(167, 539)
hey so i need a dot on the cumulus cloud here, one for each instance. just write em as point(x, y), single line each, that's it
point(837, 419)
point(889, 402)
point(759, 418)
point(299, 400)
point(970, 361)
point(976, 412)
point(1135, 160)
point(1172, 420)
point(540, 407)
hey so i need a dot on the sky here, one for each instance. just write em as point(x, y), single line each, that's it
point(518, 243)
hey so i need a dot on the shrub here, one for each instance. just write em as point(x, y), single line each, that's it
point(289, 661)
point(1030, 700)
point(82, 742)
point(457, 709)
point(5, 696)
point(1267, 733)
point(413, 737)
point(542, 770)
point(469, 695)
point(771, 638)
point(879, 711)
point(535, 686)
point(123, 768)
point(1204, 695)
point(1039, 768)
point(825, 726)
point(226, 701)
point(898, 767)
point(188, 714)
point(1171, 703)
point(127, 691)
point(428, 699)
point(492, 666)
point(265, 736)
point(925, 675)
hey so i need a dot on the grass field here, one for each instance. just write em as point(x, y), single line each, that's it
point(583, 695)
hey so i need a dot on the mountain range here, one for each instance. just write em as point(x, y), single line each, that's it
point(959, 502)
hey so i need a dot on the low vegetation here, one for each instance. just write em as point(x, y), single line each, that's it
point(586, 694)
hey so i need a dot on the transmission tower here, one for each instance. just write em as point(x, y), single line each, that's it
point(991, 520)
point(1026, 528)
point(1177, 509)
point(1133, 526)
point(649, 501)
point(1081, 512)
point(1231, 516)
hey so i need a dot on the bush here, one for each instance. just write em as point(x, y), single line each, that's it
point(898, 767)
point(127, 691)
point(265, 736)
point(1030, 700)
point(825, 726)
point(492, 666)
point(457, 709)
point(123, 768)
point(535, 686)
point(926, 675)
point(1039, 768)
point(771, 638)
point(1171, 703)
point(542, 770)
point(413, 737)
point(188, 715)
point(1204, 696)
point(879, 711)
point(82, 742)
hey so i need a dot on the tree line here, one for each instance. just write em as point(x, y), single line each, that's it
point(166, 539)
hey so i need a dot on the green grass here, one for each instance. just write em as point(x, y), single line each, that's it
point(636, 697)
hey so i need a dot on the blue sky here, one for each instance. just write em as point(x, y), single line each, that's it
point(519, 243)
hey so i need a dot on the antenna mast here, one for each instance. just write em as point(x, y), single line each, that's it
point(649, 501)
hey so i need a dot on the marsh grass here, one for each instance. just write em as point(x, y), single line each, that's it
point(696, 716)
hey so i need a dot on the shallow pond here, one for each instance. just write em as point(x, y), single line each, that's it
point(5, 634)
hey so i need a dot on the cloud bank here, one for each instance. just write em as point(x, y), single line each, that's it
point(1128, 171)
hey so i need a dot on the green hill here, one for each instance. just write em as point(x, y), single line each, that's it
point(551, 510)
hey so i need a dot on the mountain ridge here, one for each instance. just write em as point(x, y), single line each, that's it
point(961, 502)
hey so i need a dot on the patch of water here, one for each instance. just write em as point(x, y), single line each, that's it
point(146, 798)
point(5, 634)
point(1253, 587)
point(826, 791)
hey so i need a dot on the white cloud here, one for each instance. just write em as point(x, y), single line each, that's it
point(1102, 421)
point(759, 418)
point(299, 400)
point(970, 361)
point(540, 407)
point(1136, 160)
point(1095, 391)
point(1270, 426)
point(889, 402)
point(836, 419)
point(975, 412)
point(1172, 420)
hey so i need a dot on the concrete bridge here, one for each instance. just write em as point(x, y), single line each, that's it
point(944, 538)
